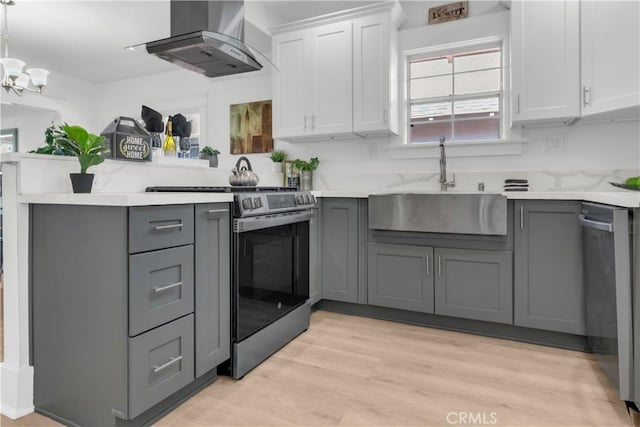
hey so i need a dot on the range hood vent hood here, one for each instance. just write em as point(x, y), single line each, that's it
point(207, 37)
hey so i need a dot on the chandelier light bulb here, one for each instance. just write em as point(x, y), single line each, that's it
point(38, 76)
point(12, 67)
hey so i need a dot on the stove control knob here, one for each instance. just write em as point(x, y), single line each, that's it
point(247, 203)
point(257, 202)
point(313, 199)
point(299, 199)
point(307, 199)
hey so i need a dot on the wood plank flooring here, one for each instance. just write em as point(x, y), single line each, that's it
point(353, 371)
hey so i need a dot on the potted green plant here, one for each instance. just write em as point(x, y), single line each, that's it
point(211, 154)
point(277, 157)
point(306, 172)
point(88, 148)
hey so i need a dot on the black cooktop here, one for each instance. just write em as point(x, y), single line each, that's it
point(237, 189)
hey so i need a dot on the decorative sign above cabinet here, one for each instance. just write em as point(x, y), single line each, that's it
point(448, 12)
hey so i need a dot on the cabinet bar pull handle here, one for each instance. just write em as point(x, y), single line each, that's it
point(171, 361)
point(439, 266)
point(586, 96)
point(384, 115)
point(427, 264)
point(313, 121)
point(159, 289)
point(213, 211)
point(167, 227)
point(305, 121)
point(521, 217)
point(518, 104)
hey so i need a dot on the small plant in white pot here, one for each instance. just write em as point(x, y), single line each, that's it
point(277, 157)
point(211, 154)
point(88, 148)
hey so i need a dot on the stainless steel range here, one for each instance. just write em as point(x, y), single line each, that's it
point(270, 269)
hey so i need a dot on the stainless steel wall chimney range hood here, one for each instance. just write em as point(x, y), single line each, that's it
point(207, 37)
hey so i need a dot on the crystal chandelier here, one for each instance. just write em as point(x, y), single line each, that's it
point(13, 78)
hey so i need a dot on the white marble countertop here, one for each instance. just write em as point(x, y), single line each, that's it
point(627, 199)
point(125, 199)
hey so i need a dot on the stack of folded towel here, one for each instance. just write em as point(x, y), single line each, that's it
point(516, 185)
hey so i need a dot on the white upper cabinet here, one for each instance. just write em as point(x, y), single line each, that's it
point(375, 72)
point(291, 83)
point(331, 108)
point(610, 55)
point(573, 59)
point(337, 75)
point(545, 60)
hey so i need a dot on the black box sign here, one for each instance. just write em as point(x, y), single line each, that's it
point(127, 140)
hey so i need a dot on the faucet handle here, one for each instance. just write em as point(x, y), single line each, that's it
point(442, 139)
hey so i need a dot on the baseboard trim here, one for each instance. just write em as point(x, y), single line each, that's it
point(16, 391)
point(478, 327)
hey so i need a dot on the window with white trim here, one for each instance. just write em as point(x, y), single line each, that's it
point(457, 95)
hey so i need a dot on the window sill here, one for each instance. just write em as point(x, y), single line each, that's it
point(501, 147)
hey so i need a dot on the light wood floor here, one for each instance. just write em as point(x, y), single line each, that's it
point(354, 371)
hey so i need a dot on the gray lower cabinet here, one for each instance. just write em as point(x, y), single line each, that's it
point(213, 286)
point(124, 319)
point(548, 266)
point(340, 249)
point(474, 284)
point(401, 277)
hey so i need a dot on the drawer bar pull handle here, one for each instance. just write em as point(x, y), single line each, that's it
point(167, 227)
point(214, 211)
point(164, 288)
point(171, 361)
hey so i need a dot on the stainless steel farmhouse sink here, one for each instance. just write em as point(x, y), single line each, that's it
point(462, 213)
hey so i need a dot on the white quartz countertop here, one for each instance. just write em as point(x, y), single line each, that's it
point(125, 199)
point(627, 199)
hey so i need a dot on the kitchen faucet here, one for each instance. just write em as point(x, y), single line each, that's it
point(444, 184)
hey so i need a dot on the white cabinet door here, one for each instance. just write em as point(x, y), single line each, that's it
point(291, 84)
point(331, 79)
point(610, 55)
point(545, 60)
point(374, 75)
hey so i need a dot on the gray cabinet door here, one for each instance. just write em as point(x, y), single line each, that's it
point(548, 266)
point(213, 286)
point(160, 287)
point(159, 227)
point(401, 277)
point(315, 284)
point(160, 363)
point(340, 250)
point(474, 284)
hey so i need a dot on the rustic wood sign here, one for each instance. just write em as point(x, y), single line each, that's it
point(448, 12)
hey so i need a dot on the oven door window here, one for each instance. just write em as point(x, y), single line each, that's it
point(271, 277)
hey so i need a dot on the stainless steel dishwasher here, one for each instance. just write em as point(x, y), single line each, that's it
point(607, 273)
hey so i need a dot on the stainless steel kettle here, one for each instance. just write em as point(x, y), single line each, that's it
point(243, 175)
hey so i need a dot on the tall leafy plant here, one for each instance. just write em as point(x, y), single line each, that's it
point(87, 147)
point(303, 165)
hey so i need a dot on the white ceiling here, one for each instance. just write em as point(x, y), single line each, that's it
point(87, 39)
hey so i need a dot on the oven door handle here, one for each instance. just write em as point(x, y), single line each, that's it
point(241, 225)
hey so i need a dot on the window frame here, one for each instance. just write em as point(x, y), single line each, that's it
point(454, 49)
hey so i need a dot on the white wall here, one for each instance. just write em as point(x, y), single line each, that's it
point(76, 100)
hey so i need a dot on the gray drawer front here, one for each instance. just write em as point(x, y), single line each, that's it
point(160, 287)
point(161, 362)
point(159, 227)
